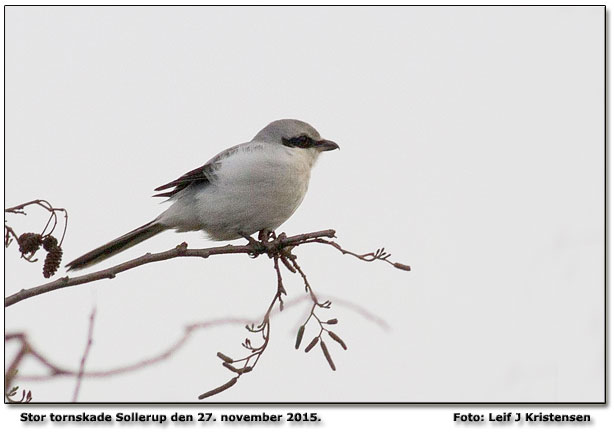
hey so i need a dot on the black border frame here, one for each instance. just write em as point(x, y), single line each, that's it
point(360, 403)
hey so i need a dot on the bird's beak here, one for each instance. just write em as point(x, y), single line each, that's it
point(326, 145)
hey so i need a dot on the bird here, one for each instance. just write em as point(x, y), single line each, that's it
point(251, 187)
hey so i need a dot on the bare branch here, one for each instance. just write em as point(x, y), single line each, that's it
point(179, 251)
point(278, 248)
point(11, 372)
point(271, 248)
point(57, 371)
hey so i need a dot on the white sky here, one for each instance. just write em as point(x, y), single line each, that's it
point(471, 147)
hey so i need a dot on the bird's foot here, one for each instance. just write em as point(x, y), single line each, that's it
point(272, 242)
point(257, 246)
point(265, 235)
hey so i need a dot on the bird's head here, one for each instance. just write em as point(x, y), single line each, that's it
point(295, 134)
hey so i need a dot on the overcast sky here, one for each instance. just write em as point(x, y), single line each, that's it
point(472, 148)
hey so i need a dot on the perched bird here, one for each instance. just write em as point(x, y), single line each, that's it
point(251, 187)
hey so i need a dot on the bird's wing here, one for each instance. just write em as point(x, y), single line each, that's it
point(205, 174)
point(198, 175)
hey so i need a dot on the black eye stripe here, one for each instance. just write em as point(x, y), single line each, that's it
point(302, 141)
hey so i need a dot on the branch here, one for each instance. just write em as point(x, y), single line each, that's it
point(279, 248)
point(11, 372)
point(176, 252)
point(57, 371)
point(271, 248)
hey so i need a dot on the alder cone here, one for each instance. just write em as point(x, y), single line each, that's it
point(52, 261)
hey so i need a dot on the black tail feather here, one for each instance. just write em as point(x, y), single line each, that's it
point(117, 245)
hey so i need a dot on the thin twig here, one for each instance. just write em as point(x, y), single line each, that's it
point(264, 328)
point(8, 232)
point(19, 209)
point(379, 254)
point(88, 345)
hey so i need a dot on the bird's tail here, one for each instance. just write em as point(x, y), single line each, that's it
point(117, 245)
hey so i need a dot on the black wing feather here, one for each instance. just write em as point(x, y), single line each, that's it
point(194, 176)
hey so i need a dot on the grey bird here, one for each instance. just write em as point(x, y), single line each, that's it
point(251, 187)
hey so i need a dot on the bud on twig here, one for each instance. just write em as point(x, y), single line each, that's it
point(312, 344)
point(217, 390)
point(402, 266)
point(299, 337)
point(337, 339)
point(327, 355)
point(229, 366)
point(225, 358)
point(245, 370)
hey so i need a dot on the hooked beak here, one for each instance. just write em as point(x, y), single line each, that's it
point(326, 145)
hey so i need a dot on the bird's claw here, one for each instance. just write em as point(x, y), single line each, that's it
point(257, 246)
point(265, 235)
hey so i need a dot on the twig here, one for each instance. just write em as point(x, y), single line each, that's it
point(86, 352)
point(8, 233)
point(25, 396)
point(264, 328)
point(30, 242)
point(24, 349)
point(290, 261)
point(19, 209)
point(322, 324)
point(379, 254)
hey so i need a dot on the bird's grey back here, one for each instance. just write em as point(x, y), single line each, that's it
point(272, 134)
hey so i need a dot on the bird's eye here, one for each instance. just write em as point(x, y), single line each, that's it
point(304, 141)
point(298, 142)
